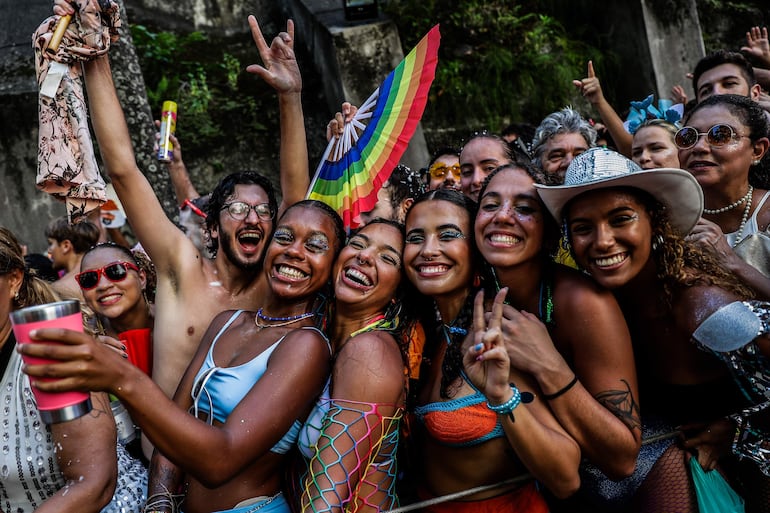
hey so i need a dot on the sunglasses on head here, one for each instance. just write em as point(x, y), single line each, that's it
point(239, 210)
point(717, 136)
point(439, 171)
point(116, 271)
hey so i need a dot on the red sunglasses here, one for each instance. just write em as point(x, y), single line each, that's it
point(116, 271)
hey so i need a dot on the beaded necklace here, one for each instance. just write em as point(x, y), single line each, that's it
point(745, 216)
point(455, 327)
point(379, 322)
point(278, 321)
point(746, 197)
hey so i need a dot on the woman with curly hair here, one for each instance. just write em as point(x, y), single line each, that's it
point(561, 328)
point(724, 145)
point(117, 285)
point(625, 226)
point(469, 433)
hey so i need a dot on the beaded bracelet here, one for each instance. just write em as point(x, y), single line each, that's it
point(508, 406)
point(562, 391)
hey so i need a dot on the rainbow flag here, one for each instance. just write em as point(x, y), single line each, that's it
point(354, 167)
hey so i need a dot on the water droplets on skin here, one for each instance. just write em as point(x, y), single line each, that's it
point(5, 471)
point(40, 461)
point(38, 436)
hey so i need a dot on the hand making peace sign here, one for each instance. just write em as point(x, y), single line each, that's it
point(486, 361)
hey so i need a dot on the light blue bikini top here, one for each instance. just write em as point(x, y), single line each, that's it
point(217, 390)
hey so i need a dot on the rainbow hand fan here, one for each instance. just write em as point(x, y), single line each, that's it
point(354, 167)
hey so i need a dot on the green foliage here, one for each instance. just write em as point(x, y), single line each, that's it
point(498, 61)
point(216, 105)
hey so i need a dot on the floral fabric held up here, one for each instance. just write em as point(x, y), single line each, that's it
point(67, 167)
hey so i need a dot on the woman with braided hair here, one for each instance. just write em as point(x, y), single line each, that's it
point(469, 435)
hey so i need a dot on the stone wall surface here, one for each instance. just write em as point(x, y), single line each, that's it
point(27, 210)
point(351, 58)
point(23, 208)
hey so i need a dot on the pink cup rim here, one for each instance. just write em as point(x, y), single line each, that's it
point(47, 312)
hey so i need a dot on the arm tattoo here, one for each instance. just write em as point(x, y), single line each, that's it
point(622, 404)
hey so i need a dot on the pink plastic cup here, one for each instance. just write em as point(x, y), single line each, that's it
point(58, 406)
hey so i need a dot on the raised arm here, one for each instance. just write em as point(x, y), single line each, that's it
point(595, 395)
point(177, 171)
point(541, 444)
point(87, 457)
point(591, 89)
point(281, 71)
point(162, 240)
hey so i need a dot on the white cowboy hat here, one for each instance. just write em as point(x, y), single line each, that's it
point(600, 168)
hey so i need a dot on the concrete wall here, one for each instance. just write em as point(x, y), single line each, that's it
point(352, 58)
point(675, 44)
point(649, 44)
point(23, 208)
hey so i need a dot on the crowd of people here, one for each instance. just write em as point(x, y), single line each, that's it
point(549, 319)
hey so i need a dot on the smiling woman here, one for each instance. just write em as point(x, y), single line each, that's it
point(352, 436)
point(586, 375)
point(69, 466)
point(458, 423)
point(625, 228)
point(249, 387)
point(724, 146)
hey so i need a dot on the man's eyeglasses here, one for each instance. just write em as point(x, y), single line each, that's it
point(439, 171)
point(116, 271)
point(717, 136)
point(239, 210)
